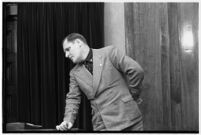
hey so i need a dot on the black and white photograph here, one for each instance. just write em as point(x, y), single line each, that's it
point(100, 67)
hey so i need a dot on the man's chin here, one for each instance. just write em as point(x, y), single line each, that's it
point(74, 61)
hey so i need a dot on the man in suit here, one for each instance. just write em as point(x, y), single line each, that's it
point(110, 80)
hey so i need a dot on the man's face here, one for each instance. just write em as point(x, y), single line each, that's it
point(72, 51)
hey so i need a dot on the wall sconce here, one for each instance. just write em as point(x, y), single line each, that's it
point(187, 39)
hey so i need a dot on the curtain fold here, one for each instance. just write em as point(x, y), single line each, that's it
point(43, 78)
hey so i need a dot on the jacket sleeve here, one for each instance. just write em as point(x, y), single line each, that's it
point(130, 69)
point(73, 98)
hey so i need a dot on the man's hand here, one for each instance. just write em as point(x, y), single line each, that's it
point(64, 126)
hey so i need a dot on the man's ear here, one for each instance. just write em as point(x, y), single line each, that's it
point(79, 42)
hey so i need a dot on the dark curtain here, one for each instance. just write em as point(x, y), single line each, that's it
point(43, 78)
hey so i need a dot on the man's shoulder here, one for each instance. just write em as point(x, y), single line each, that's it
point(106, 49)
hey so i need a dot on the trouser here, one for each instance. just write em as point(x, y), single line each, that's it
point(99, 125)
point(135, 127)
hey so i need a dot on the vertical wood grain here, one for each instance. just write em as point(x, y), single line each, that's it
point(129, 31)
point(153, 37)
point(144, 46)
point(165, 64)
point(175, 63)
point(188, 22)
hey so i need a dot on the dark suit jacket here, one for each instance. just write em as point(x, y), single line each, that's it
point(115, 81)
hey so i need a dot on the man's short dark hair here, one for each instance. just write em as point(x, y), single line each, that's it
point(73, 36)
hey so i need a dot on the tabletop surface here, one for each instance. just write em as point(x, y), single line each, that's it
point(27, 127)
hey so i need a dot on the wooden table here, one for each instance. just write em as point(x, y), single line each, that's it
point(16, 127)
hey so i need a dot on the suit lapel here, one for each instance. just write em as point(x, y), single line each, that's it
point(84, 74)
point(97, 69)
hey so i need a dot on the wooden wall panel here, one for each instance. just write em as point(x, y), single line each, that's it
point(188, 30)
point(153, 33)
point(175, 71)
point(144, 46)
point(165, 64)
